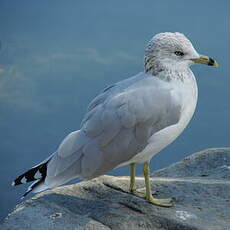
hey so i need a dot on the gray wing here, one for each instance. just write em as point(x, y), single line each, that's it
point(117, 126)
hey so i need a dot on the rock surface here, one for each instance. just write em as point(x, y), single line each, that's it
point(199, 184)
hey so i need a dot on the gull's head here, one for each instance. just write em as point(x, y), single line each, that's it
point(172, 51)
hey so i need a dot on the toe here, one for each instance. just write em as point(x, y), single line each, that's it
point(161, 202)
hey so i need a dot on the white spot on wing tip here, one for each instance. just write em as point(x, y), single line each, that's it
point(38, 175)
point(23, 180)
point(13, 183)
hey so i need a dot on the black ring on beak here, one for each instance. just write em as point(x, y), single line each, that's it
point(211, 62)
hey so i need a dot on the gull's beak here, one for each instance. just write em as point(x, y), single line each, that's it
point(205, 60)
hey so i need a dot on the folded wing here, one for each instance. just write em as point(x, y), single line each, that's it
point(117, 126)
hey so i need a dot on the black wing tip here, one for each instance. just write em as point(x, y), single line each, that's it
point(20, 180)
point(17, 181)
point(31, 175)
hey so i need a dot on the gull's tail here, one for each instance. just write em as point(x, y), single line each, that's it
point(37, 174)
point(60, 167)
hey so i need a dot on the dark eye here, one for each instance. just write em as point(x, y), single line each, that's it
point(179, 53)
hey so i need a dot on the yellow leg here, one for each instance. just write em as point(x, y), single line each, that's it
point(149, 197)
point(132, 187)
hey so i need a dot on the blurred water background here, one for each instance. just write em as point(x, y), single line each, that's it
point(55, 56)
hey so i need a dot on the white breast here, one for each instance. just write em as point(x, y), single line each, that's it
point(164, 137)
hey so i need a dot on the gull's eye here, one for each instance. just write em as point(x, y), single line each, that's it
point(179, 53)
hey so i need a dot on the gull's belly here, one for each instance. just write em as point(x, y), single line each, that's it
point(159, 141)
point(166, 136)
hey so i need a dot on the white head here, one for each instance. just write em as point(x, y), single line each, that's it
point(172, 51)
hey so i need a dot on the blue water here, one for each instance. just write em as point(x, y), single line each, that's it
point(55, 56)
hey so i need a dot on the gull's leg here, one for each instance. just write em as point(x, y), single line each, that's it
point(132, 187)
point(149, 197)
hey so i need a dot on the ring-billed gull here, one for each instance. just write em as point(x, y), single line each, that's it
point(130, 121)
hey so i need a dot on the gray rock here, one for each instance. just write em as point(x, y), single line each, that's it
point(211, 163)
point(199, 184)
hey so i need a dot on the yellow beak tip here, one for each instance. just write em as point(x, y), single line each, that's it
point(216, 64)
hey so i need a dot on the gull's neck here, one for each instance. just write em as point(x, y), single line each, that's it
point(184, 81)
point(184, 75)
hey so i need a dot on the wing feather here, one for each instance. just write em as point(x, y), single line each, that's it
point(116, 127)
